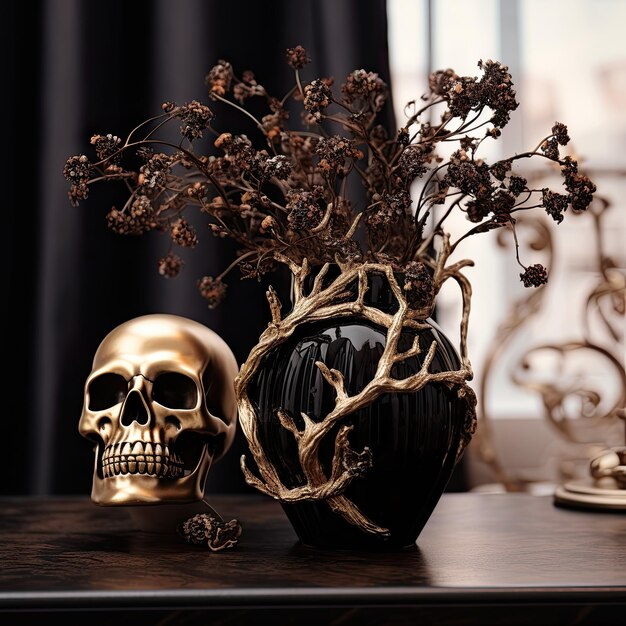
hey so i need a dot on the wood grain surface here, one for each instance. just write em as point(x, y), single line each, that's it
point(481, 559)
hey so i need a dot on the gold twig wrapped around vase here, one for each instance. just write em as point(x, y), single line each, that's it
point(334, 302)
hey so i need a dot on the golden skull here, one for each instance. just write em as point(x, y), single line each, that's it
point(160, 406)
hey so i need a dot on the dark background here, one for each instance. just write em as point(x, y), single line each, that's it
point(79, 68)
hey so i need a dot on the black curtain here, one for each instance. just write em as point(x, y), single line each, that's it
point(78, 68)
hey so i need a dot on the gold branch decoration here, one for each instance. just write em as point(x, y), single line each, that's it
point(333, 301)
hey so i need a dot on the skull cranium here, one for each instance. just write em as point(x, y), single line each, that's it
point(160, 406)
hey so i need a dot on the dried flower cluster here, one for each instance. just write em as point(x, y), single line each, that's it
point(288, 198)
point(208, 531)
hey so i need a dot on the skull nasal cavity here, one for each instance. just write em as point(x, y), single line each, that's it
point(134, 410)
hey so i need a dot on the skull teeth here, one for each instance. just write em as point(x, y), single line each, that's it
point(141, 457)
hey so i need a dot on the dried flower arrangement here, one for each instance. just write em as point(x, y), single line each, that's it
point(287, 202)
point(287, 199)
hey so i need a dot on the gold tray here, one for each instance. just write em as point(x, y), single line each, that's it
point(591, 494)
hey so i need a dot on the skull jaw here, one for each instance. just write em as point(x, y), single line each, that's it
point(140, 489)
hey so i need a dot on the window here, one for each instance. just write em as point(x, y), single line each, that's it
point(568, 61)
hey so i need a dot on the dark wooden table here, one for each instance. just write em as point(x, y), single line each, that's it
point(482, 559)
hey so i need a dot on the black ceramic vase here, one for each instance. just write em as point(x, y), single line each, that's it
point(413, 437)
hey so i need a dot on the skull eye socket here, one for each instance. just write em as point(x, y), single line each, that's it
point(106, 391)
point(175, 391)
